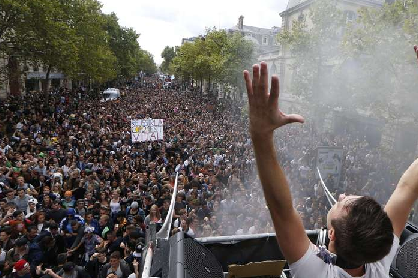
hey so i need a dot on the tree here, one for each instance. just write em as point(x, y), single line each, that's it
point(146, 62)
point(240, 57)
point(380, 44)
point(183, 63)
point(314, 48)
point(55, 42)
point(72, 36)
point(168, 55)
point(95, 62)
point(217, 56)
point(17, 31)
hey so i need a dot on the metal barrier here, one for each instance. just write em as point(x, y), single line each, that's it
point(152, 236)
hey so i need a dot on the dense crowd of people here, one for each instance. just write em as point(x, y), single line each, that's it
point(76, 194)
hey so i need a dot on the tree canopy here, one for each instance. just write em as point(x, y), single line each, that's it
point(362, 59)
point(217, 56)
point(72, 36)
point(168, 55)
point(380, 45)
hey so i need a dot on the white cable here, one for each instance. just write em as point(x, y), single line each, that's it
point(329, 196)
point(164, 232)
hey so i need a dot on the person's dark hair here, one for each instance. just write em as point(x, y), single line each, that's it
point(61, 258)
point(46, 242)
point(17, 213)
point(365, 234)
point(101, 250)
point(21, 242)
point(112, 233)
point(11, 204)
point(68, 267)
point(115, 255)
point(31, 227)
point(7, 230)
point(53, 226)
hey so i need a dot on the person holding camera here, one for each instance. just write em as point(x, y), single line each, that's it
point(116, 267)
point(97, 262)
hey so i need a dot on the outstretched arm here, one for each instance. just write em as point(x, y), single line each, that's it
point(406, 193)
point(265, 117)
point(403, 198)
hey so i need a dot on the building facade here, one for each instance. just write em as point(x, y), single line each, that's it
point(31, 78)
point(299, 9)
point(264, 39)
point(398, 135)
point(265, 43)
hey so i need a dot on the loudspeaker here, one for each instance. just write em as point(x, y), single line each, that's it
point(184, 257)
point(406, 260)
point(159, 266)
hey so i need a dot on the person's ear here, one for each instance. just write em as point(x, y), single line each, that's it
point(331, 234)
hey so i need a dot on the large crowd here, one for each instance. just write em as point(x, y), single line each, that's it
point(76, 195)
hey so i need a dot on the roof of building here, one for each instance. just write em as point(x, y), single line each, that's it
point(293, 3)
point(257, 30)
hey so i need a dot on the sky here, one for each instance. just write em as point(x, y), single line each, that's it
point(162, 22)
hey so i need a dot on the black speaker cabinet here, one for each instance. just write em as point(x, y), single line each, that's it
point(184, 257)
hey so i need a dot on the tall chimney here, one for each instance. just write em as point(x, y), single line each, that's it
point(240, 23)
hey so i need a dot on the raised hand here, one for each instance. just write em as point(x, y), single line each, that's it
point(265, 115)
point(135, 264)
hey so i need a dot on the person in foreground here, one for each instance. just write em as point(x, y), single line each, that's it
point(363, 236)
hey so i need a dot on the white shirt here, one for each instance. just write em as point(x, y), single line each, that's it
point(312, 266)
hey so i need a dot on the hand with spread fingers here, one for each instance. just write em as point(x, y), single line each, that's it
point(265, 115)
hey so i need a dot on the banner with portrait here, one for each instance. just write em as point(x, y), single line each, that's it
point(329, 162)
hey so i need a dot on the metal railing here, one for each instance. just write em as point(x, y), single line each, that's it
point(163, 234)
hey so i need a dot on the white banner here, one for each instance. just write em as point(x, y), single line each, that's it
point(147, 130)
point(329, 161)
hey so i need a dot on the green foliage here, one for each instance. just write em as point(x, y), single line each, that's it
point(217, 57)
point(72, 36)
point(95, 57)
point(168, 55)
point(146, 62)
point(313, 48)
point(381, 42)
point(12, 19)
point(367, 64)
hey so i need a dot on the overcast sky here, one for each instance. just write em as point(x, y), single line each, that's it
point(164, 22)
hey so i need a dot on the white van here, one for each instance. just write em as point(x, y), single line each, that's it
point(110, 94)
